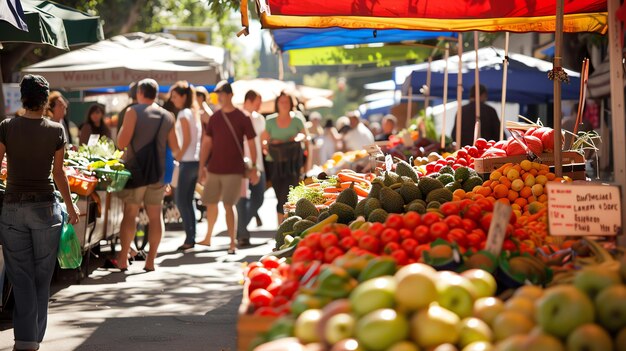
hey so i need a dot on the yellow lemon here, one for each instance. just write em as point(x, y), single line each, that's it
point(541, 179)
point(495, 175)
point(537, 190)
point(530, 180)
point(517, 185)
point(526, 165)
point(512, 174)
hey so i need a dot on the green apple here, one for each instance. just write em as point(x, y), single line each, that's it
point(543, 342)
point(532, 292)
point(513, 343)
point(434, 326)
point(331, 309)
point(484, 283)
point(412, 278)
point(380, 329)
point(611, 307)
point(472, 330)
point(373, 294)
point(404, 346)
point(479, 346)
point(521, 304)
point(509, 323)
point(347, 345)
point(305, 328)
point(339, 327)
point(594, 279)
point(456, 293)
point(563, 308)
point(620, 340)
point(487, 308)
point(589, 337)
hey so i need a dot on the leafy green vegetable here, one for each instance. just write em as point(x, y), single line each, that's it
point(315, 195)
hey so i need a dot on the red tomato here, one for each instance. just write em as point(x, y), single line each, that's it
point(394, 221)
point(480, 143)
point(521, 234)
point(279, 300)
point(270, 262)
point(461, 162)
point(422, 234)
point(389, 235)
point(283, 269)
point(303, 253)
point(401, 257)
point(289, 287)
point(462, 153)
point(417, 253)
point(450, 158)
point(391, 247)
point(357, 234)
point(429, 218)
point(453, 221)
point(370, 243)
point(509, 245)
point(274, 287)
point(458, 236)
point(342, 230)
point(411, 220)
point(312, 240)
point(473, 151)
point(468, 224)
point(328, 239)
point(473, 212)
point(252, 266)
point(481, 233)
point(473, 240)
point(409, 244)
point(485, 222)
point(405, 234)
point(375, 229)
point(260, 278)
point(450, 208)
point(266, 311)
point(430, 167)
point(438, 167)
point(439, 230)
point(347, 243)
point(318, 255)
point(296, 272)
point(331, 253)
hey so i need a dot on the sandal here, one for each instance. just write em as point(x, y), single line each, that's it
point(112, 263)
point(185, 247)
point(232, 251)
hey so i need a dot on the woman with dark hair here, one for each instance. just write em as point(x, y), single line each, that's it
point(189, 130)
point(32, 219)
point(94, 124)
point(282, 141)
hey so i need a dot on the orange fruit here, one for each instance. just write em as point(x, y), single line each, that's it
point(512, 195)
point(501, 191)
point(526, 192)
point(533, 172)
point(495, 175)
point(521, 202)
point(505, 181)
point(550, 176)
point(487, 182)
point(504, 201)
point(459, 192)
point(494, 184)
point(484, 191)
point(526, 165)
point(541, 179)
point(543, 198)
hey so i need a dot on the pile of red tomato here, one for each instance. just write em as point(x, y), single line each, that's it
point(464, 157)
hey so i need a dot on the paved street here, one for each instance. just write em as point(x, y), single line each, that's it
point(189, 303)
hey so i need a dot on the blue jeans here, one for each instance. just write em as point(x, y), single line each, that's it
point(247, 208)
point(187, 178)
point(30, 234)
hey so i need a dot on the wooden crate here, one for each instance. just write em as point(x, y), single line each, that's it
point(250, 326)
point(488, 165)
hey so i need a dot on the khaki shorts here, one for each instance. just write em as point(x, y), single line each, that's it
point(148, 195)
point(226, 187)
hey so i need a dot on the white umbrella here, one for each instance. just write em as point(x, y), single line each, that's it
point(131, 57)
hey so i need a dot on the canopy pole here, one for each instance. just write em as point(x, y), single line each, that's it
point(428, 74)
point(476, 90)
point(505, 67)
point(445, 97)
point(617, 105)
point(558, 44)
point(408, 108)
point(459, 93)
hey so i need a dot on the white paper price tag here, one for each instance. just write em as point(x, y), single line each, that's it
point(584, 209)
point(93, 140)
point(388, 162)
point(497, 229)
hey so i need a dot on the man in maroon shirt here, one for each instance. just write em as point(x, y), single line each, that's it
point(223, 175)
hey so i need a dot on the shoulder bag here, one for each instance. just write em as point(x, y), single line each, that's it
point(146, 167)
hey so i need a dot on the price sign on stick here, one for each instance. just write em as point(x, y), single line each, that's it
point(497, 229)
point(584, 209)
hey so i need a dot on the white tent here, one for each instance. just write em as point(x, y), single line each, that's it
point(131, 57)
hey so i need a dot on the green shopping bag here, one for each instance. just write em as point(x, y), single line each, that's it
point(70, 255)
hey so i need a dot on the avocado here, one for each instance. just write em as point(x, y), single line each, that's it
point(371, 205)
point(426, 185)
point(348, 196)
point(440, 195)
point(405, 169)
point(461, 174)
point(410, 192)
point(378, 215)
point(343, 211)
point(472, 182)
point(284, 227)
point(305, 208)
point(391, 201)
point(445, 178)
point(302, 225)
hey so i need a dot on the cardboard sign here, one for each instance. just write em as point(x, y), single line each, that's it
point(388, 162)
point(497, 229)
point(584, 209)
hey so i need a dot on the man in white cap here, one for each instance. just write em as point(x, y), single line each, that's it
point(359, 135)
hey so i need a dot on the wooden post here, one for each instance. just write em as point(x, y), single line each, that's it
point(281, 67)
point(459, 93)
point(617, 105)
point(410, 103)
point(445, 97)
point(428, 75)
point(505, 68)
point(558, 44)
point(476, 90)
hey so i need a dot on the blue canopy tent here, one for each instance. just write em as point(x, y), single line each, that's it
point(528, 81)
point(302, 38)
